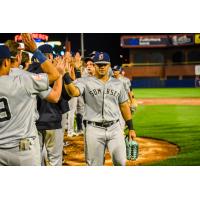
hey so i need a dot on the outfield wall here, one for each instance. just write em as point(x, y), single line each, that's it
point(157, 83)
point(161, 76)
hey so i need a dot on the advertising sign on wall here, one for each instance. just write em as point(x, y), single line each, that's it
point(156, 41)
point(181, 39)
point(144, 41)
point(197, 39)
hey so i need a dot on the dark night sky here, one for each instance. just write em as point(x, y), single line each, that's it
point(108, 42)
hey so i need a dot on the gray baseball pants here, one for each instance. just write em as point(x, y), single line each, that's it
point(52, 140)
point(26, 154)
point(71, 114)
point(97, 139)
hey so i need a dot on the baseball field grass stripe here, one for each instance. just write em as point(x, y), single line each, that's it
point(176, 124)
point(167, 93)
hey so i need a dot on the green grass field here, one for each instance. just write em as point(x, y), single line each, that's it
point(173, 123)
point(167, 93)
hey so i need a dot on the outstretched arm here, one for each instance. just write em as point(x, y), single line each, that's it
point(56, 91)
point(46, 65)
point(71, 89)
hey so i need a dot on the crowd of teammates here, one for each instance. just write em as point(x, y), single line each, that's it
point(40, 99)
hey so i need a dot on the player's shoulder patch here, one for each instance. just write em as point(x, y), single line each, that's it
point(38, 77)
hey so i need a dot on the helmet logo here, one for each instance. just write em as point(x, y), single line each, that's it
point(101, 56)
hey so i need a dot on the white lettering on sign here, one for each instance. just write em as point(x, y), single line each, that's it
point(148, 40)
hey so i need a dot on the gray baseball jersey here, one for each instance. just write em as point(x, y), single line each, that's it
point(101, 99)
point(126, 82)
point(41, 94)
point(18, 105)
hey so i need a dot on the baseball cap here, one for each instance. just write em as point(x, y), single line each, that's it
point(91, 56)
point(117, 68)
point(46, 48)
point(4, 52)
point(101, 58)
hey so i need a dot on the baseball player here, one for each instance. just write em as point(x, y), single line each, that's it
point(19, 144)
point(16, 61)
point(80, 102)
point(49, 124)
point(133, 101)
point(73, 101)
point(126, 82)
point(104, 97)
point(127, 86)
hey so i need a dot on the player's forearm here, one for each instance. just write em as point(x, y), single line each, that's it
point(51, 71)
point(72, 74)
point(126, 112)
point(57, 87)
point(56, 91)
point(71, 89)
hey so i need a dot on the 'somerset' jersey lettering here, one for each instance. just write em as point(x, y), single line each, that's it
point(108, 91)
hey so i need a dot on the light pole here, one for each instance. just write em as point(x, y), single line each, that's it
point(82, 45)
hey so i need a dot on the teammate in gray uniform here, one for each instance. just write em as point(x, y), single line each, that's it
point(104, 96)
point(19, 144)
point(49, 123)
point(127, 85)
point(133, 104)
point(126, 82)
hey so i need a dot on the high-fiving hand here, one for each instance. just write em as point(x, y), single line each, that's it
point(29, 42)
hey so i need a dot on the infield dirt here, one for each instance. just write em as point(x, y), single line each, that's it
point(150, 150)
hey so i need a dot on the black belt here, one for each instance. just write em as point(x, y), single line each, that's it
point(105, 124)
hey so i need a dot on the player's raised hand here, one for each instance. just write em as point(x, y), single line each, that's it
point(78, 61)
point(60, 66)
point(68, 56)
point(67, 66)
point(29, 42)
point(56, 60)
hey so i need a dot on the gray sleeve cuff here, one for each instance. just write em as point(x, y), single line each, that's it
point(45, 93)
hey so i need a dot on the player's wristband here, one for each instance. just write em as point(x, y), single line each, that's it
point(40, 56)
point(78, 73)
point(129, 123)
point(67, 79)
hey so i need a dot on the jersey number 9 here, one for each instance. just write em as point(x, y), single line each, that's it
point(5, 114)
